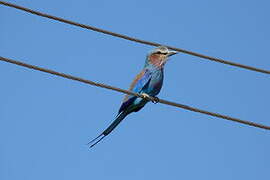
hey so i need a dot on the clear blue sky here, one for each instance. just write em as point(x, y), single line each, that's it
point(45, 121)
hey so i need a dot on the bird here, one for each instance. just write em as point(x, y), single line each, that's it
point(148, 83)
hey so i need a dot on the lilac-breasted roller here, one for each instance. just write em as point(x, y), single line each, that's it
point(148, 83)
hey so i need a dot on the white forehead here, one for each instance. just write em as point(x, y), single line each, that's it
point(161, 49)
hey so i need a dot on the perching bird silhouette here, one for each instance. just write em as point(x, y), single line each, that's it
point(148, 83)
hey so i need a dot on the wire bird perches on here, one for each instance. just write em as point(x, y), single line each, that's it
point(132, 38)
point(153, 99)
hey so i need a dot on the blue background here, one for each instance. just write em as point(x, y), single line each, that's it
point(45, 121)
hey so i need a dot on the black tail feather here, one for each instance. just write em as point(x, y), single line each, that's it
point(115, 123)
point(107, 131)
point(96, 140)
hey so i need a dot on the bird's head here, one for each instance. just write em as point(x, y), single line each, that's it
point(159, 56)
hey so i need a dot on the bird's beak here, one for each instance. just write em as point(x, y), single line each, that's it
point(172, 53)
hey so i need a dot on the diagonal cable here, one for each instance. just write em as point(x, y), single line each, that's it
point(133, 39)
point(133, 93)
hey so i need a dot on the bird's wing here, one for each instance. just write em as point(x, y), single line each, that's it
point(140, 81)
point(137, 85)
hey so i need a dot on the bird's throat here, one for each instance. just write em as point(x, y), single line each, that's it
point(157, 60)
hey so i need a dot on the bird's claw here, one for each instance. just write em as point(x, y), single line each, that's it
point(146, 96)
point(154, 100)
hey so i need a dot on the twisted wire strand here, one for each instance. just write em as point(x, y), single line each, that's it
point(219, 60)
point(133, 93)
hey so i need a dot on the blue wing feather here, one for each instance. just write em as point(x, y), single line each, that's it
point(142, 81)
point(137, 86)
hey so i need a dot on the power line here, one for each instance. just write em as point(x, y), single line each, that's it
point(132, 38)
point(133, 93)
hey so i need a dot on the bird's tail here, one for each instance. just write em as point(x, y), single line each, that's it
point(107, 131)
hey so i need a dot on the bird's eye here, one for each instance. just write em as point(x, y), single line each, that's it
point(159, 52)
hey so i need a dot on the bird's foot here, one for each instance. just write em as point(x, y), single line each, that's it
point(146, 96)
point(154, 100)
